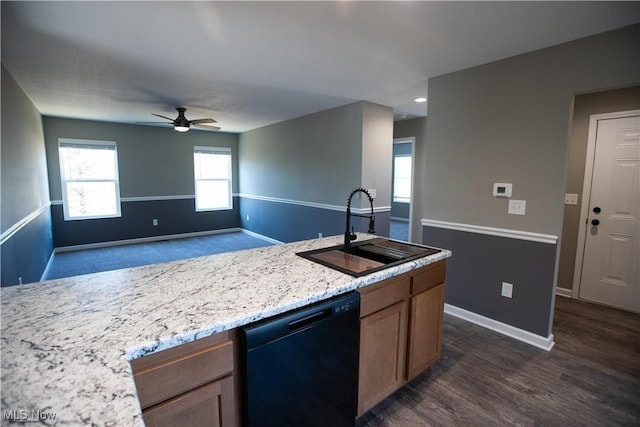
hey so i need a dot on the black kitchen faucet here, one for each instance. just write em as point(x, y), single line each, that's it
point(349, 235)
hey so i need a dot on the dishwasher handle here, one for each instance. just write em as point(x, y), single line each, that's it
point(310, 319)
point(297, 321)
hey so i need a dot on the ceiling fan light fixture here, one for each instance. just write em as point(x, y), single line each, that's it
point(181, 128)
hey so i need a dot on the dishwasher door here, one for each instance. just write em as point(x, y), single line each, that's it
point(301, 368)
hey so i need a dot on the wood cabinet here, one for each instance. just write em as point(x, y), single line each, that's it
point(189, 385)
point(383, 338)
point(425, 330)
point(400, 331)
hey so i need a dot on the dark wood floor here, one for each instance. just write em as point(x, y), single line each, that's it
point(590, 378)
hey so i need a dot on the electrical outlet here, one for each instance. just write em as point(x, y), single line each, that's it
point(247, 217)
point(570, 199)
point(507, 290)
point(372, 192)
point(319, 235)
point(155, 222)
point(517, 207)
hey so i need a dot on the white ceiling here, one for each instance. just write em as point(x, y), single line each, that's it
point(250, 64)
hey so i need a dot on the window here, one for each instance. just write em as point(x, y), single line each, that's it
point(212, 172)
point(402, 178)
point(89, 177)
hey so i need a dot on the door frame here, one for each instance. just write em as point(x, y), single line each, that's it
point(408, 140)
point(586, 191)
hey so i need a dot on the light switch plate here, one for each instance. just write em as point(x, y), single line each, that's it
point(571, 199)
point(507, 290)
point(517, 207)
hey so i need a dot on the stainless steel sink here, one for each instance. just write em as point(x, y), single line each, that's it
point(368, 256)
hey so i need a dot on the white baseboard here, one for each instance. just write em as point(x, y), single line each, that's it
point(49, 263)
point(144, 240)
point(397, 218)
point(263, 237)
point(564, 292)
point(545, 343)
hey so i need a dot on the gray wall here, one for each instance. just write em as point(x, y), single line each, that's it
point(508, 121)
point(156, 172)
point(152, 161)
point(377, 152)
point(310, 165)
point(314, 158)
point(24, 185)
point(416, 128)
point(584, 106)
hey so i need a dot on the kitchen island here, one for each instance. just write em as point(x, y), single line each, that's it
point(66, 344)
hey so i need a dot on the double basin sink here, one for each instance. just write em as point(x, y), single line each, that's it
point(368, 256)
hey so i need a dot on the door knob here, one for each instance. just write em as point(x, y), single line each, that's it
point(597, 210)
point(595, 222)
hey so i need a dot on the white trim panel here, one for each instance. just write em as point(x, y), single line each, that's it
point(22, 223)
point(545, 343)
point(500, 232)
point(379, 209)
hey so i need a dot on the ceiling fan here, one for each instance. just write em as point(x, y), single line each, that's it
point(182, 124)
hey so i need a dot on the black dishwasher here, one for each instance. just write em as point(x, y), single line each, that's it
point(301, 367)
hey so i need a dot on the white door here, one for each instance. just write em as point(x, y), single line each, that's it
point(610, 267)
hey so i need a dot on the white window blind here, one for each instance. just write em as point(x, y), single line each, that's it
point(402, 178)
point(89, 178)
point(212, 173)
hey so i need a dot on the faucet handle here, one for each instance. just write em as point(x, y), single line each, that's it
point(353, 235)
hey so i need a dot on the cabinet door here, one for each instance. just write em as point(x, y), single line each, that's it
point(209, 405)
point(425, 330)
point(383, 338)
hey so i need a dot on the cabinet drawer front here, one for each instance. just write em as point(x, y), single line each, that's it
point(175, 376)
point(425, 330)
point(383, 340)
point(383, 294)
point(428, 278)
point(204, 406)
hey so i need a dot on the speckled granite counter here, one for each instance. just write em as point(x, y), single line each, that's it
point(66, 344)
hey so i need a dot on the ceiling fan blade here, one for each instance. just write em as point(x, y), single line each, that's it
point(162, 117)
point(155, 123)
point(206, 126)
point(203, 121)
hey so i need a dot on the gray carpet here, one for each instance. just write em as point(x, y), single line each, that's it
point(399, 230)
point(74, 263)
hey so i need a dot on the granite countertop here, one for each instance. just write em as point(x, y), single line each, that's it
point(66, 344)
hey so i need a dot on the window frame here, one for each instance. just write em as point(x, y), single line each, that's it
point(64, 181)
point(229, 179)
point(395, 198)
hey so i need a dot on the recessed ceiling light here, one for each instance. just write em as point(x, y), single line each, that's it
point(420, 99)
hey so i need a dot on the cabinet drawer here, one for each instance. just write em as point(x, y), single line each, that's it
point(205, 406)
point(388, 292)
point(169, 378)
point(428, 277)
